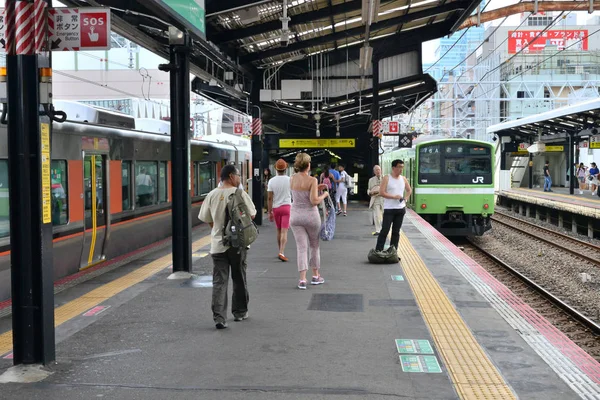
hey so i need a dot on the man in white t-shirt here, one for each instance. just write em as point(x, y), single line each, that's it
point(226, 257)
point(342, 189)
point(279, 204)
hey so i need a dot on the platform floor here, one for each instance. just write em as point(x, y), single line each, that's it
point(559, 194)
point(155, 338)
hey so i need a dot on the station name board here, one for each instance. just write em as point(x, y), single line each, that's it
point(316, 143)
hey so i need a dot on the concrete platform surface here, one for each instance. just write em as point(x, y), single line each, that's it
point(156, 339)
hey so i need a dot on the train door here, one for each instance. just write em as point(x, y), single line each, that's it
point(96, 210)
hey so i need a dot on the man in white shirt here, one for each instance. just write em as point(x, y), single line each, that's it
point(279, 204)
point(342, 189)
point(225, 257)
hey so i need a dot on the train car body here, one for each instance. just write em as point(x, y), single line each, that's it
point(452, 181)
point(111, 188)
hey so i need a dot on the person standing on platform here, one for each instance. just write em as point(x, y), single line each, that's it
point(225, 257)
point(376, 202)
point(547, 177)
point(266, 178)
point(305, 219)
point(334, 175)
point(279, 205)
point(580, 174)
point(394, 189)
point(593, 178)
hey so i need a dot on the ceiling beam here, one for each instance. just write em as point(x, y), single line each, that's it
point(382, 48)
point(304, 18)
point(355, 32)
point(213, 7)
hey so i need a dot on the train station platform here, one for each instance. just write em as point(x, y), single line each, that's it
point(435, 326)
point(578, 212)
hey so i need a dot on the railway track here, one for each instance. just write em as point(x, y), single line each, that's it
point(583, 250)
point(578, 327)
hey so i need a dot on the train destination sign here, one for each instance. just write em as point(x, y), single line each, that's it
point(316, 143)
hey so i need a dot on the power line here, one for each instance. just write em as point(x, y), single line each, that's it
point(533, 67)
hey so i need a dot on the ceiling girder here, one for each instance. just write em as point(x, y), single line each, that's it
point(323, 13)
point(356, 32)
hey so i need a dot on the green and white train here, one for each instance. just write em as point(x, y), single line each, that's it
point(452, 181)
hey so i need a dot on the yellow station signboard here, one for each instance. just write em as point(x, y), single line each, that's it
point(316, 143)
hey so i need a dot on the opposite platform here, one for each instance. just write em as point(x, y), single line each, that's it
point(337, 340)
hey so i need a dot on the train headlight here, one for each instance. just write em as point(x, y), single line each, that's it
point(486, 206)
point(423, 206)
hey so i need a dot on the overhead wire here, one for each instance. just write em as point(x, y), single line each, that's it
point(551, 24)
point(533, 67)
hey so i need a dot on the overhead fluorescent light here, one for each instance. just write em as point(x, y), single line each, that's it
point(365, 58)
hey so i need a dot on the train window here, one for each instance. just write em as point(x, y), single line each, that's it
point(430, 159)
point(146, 188)
point(60, 190)
point(4, 212)
point(205, 177)
point(196, 179)
point(162, 185)
point(126, 185)
point(468, 159)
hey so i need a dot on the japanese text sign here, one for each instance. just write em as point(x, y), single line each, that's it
point(527, 42)
point(79, 29)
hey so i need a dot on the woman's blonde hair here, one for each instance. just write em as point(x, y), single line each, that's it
point(301, 162)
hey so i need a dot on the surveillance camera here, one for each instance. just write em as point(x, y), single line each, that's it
point(594, 131)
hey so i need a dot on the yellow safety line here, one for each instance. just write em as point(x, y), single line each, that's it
point(94, 222)
point(82, 304)
point(472, 373)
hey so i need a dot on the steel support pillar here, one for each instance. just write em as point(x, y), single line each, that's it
point(179, 74)
point(257, 155)
point(30, 198)
point(571, 158)
point(374, 141)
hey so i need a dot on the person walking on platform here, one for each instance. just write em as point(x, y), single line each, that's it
point(394, 189)
point(334, 175)
point(279, 205)
point(376, 202)
point(547, 177)
point(225, 257)
point(305, 219)
point(594, 178)
point(341, 196)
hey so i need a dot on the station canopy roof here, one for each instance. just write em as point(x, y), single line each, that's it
point(245, 37)
point(578, 119)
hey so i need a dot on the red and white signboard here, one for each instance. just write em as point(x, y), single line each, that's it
point(238, 128)
point(527, 42)
point(394, 127)
point(376, 125)
point(79, 29)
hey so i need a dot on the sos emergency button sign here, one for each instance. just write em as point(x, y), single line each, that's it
point(79, 29)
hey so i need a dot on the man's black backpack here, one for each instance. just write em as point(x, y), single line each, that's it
point(239, 230)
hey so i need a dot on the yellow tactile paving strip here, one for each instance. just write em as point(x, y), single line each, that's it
point(80, 305)
point(472, 373)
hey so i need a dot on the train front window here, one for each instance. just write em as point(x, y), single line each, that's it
point(455, 163)
point(429, 159)
point(4, 211)
point(60, 203)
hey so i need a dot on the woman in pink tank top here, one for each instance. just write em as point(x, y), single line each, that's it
point(305, 220)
